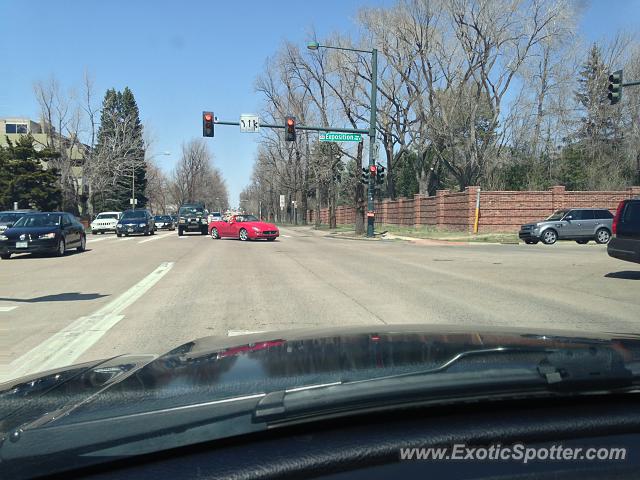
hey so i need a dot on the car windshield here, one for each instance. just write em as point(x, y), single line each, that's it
point(190, 210)
point(8, 217)
point(130, 215)
point(246, 218)
point(39, 220)
point(557, 215)
point(399, 168)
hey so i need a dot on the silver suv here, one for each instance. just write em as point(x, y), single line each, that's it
point(579, 224)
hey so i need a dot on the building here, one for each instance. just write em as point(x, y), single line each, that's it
point(12, 128)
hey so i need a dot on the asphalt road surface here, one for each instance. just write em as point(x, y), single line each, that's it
point(151, 294)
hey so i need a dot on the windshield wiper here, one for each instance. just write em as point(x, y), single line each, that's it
point(557, 372)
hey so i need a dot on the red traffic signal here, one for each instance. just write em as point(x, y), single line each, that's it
point(207, 124)
point(290, 129)
point(373, 169)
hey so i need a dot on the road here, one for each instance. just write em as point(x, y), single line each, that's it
point(150, 294)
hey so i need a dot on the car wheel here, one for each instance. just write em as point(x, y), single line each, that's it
point(62, 248)
point(271, 239)
point(531, 242)
point(214, 234)
point(582, 242)
point(603, 236)
point(94, 232)
point(549, 237)
point(244, 235)
point(180, 232)
point(5, 256)
point(83, 243)
point(119, 234)
point(153, 232)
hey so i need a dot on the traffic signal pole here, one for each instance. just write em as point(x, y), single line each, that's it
point(371, 187)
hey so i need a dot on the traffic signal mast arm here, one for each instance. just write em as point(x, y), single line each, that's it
point(300, 127)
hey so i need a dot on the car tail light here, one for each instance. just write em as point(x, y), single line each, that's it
point(614, 225)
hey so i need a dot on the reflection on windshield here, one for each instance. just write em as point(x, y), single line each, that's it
point(45, 220)
point(247, 218)
point(132, 215)
point(557, 215)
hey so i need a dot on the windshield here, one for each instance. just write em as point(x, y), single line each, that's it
point(132, 214)
point(557, 215)
point(39, 220)
point(9, 217)
point(246, 218)
point(385, 166)
point(190, 210)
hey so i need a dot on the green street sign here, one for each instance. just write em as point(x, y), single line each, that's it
point(340, 137)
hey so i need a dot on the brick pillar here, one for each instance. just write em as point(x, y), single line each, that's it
point(440, 195)
point(417, 209)
point(557, 194)
point(472, 193)
point(633, 192)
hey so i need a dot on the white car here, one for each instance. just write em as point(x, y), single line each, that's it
point(105, 222)
point(214, 217)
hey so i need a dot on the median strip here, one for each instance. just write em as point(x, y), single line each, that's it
point(66, 346)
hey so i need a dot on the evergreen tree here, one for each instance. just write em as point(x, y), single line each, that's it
point(23, 179)
point(121, 153)
point(129, 108)
point(406, 179)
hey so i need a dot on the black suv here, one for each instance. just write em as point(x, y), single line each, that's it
point(136, 221)
point(192, 217)
point(625, 244)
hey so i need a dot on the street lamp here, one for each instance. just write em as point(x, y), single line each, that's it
point(371, 186)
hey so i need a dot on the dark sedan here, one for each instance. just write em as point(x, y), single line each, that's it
point(136, 221)
point(46, 232)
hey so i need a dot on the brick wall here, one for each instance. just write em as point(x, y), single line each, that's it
point(500, 211)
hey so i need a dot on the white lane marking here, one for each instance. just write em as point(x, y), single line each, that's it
point(286, 236)
point(155, 237)
point(235, 333)
point(94, 240)
point(182, 238)
point(8, 309)
point(64, 347)
point(122, 239)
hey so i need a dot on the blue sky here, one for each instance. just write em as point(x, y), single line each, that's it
point(180, 58)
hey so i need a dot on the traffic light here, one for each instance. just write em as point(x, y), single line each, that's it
point(207, 124)
point(380, 174)
point(615, 87)
point(364, 176)
point(290, 129)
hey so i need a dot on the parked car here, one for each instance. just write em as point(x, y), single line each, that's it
point(8, 218)
point(625, 243)
point(164, 222)
point(105, 222)
point(135, 221)
point(579, 224)
point(244, 227)
point(43, 232)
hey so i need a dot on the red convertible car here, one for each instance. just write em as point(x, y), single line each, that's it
point(244, 227)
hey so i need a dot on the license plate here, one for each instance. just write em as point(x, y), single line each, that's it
point(22, 244)
point(129, 229)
